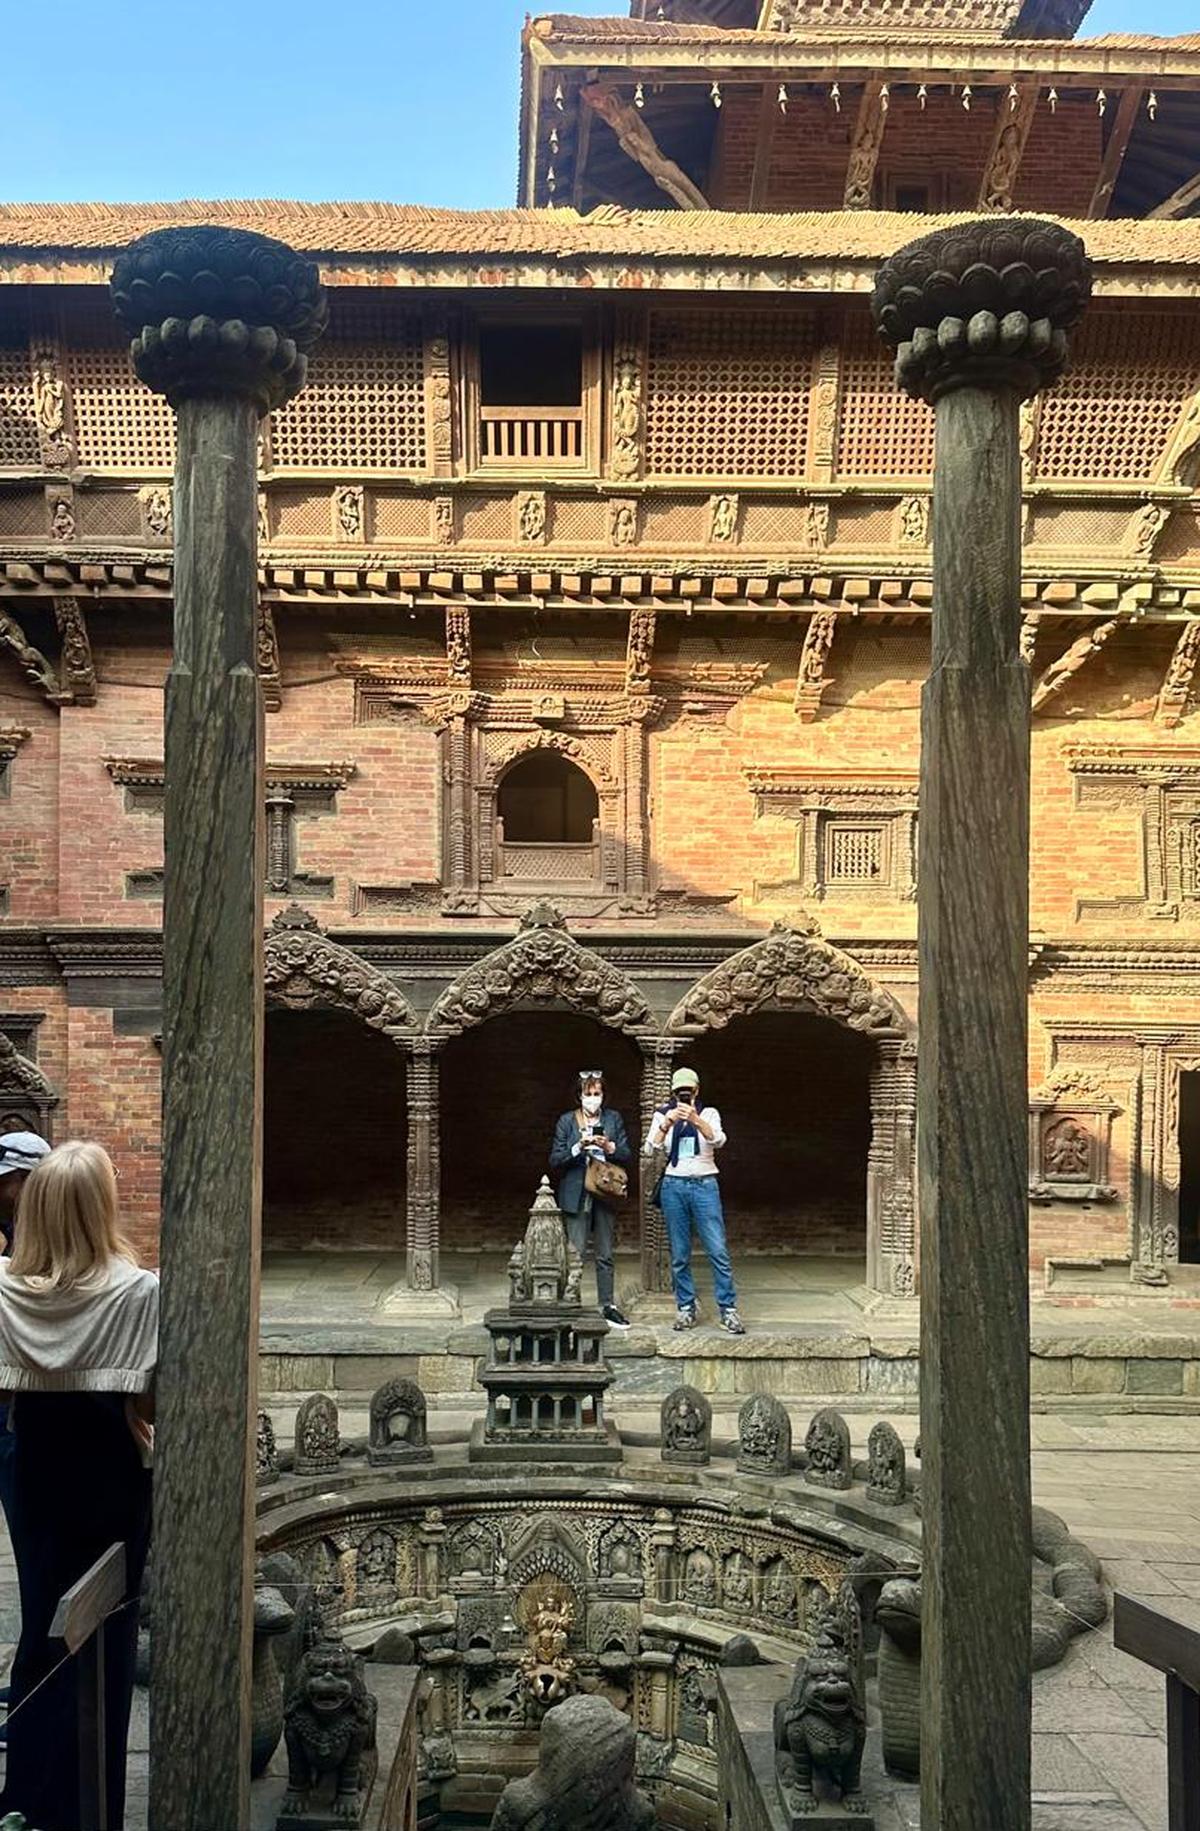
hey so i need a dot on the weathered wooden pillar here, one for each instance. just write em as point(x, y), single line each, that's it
point(220, 321)
point(978, 316)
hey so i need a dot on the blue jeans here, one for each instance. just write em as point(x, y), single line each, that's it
point(695, 1201)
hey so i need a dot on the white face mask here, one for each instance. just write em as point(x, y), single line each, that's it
point(592, 1103)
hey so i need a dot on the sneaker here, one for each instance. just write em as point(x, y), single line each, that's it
point(685, 1316)
point(615, 1318)
point(732, 1322)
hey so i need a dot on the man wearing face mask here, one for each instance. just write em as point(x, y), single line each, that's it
point(590, 1130)
point(691, 1134)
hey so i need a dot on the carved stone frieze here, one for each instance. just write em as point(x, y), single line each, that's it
point(303, 968)
point(543, 965)
point(792, 968)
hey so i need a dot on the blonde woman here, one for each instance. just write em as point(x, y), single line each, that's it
point(78, 1346)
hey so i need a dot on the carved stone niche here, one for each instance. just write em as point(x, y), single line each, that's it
point(1070, 1134)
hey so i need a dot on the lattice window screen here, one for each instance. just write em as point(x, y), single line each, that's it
point(120, 425)
point(881, 433)
point(727, 393)
point(1114, 412)
point(18, 429)
point(363, 407)
point(854, 854)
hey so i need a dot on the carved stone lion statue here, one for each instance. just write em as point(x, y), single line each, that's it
point(584, 1779)
point(329, 1726)
point(821, 1727)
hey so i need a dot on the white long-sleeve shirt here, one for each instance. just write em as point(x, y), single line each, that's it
point(697, 1156)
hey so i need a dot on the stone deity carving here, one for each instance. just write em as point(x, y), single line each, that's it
point(828, 1448)
point(266, 1455)
point(317, 1444)
point(779, 1592)
point(700, 1580)
point(885, 1467)
point(686, 1426)
point(764, 1436)
point(396, 1430)
point(821, 1726)
point(329, 1725)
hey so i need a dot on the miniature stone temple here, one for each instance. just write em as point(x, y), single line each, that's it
point(546, 1375)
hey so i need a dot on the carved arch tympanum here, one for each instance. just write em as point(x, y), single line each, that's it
point(304, 969)
point(542, 965)
point(26, 1096)
point(554, 743)
point(793, 968)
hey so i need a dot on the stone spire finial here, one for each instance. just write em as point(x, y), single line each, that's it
point(219, 312)
point(986, 304)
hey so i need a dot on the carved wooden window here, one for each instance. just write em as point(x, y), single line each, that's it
point(881, 433)
point(1113, 415)
point(120, 424)
point(548, 822)
point(1164, 791)
point(727, 393)
point(856, 854)
point(18, 428)
point(532, 388)
point(856, 838)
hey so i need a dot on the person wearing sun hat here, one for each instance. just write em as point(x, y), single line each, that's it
point(20, 1152)
point(691, 1134)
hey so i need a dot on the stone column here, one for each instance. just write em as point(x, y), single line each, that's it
point(424, 1167)
point(658, 1055)
point(220, 321)
point(978, 315)
point(891, 1169)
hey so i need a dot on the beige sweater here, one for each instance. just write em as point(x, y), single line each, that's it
point(101, 1336)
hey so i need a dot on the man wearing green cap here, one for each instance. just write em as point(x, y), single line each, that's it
point(691, 1135)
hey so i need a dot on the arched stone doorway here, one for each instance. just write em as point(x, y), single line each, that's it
point(795, 971)
point(794, 1092)
point(335, 1139)
point(334, 1134)
point(543, 971)
point(503, 1085)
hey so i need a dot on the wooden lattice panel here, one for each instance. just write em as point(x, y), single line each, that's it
point(579, 521)
point(484, 519)
point(854, 853)
point(680, 521)
point(727, 393)
point(868, 527)
point(396, 517)
point(120, 424)
point(1113, 414)
point(108, 514)
point(362, 409)
point(1081, 529)
point(881, 433)
point(300, 515)
point(18, 428)
point(772, 523)
point(22, 514)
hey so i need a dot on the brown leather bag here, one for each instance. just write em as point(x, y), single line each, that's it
point(608, 1181)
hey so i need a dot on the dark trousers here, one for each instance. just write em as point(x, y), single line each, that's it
point(79, 1487)
point(595, 1223)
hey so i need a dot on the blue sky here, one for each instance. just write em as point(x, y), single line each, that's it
point(409, 100)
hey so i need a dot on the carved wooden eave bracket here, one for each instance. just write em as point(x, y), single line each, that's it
point(791, 968)
point(32, 663)
point(303, 970)
point(18, 1075)
point(635, 138)
point(11, 739)
point(542, 965)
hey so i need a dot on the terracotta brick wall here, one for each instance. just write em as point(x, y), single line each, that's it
point(114, 1088)
point(29, 808)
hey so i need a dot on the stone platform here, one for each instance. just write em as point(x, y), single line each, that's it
point(814, 1331)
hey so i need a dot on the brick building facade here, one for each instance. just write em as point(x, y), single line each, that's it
point(595, 598)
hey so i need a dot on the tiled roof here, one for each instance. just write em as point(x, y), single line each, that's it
point(408, 231)
point(573, 29)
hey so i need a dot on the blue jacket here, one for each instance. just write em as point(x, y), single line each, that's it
point(569, 1170)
